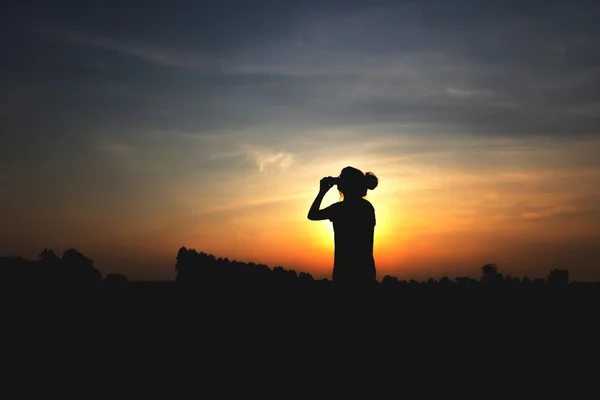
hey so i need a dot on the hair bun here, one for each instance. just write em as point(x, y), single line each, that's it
point(371, 180)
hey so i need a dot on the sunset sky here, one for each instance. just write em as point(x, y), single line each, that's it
point(130, 130)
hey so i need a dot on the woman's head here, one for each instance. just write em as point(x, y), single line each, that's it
point(353, 183)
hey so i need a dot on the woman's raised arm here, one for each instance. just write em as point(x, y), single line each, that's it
point(315, 213)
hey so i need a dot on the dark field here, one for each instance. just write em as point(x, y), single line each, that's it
point(222, 311)
point(240, 340)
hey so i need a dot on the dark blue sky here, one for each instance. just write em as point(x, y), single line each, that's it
point(532, 59)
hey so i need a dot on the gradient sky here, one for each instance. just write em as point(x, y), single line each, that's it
point(128, 131)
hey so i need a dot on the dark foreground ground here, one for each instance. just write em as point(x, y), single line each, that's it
point(381, 311)
point(237, 337)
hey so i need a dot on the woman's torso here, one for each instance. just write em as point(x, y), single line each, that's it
point(354, 225)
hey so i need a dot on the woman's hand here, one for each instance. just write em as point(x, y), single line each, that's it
point(327, 183)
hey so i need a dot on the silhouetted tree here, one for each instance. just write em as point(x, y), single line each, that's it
point(305, 277)
point(445, 282)
point(48, 257)
point(512, 281)
point(389, 280)
point(184, 265)
point(14, 269)
point(558, 278)
point(464, 281)
point(79, 268)
point(490, 275)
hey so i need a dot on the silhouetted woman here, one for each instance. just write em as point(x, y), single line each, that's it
point(353, 224)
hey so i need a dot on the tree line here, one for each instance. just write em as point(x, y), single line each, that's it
point(195, 267)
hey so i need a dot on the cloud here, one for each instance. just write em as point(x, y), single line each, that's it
point(469, 94)
point(280, 160)
point(269, 160)
point(427, 65)
point(239, 206)
point(147, 52)
point(549, 212)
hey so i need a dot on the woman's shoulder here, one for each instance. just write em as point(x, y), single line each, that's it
point(368, 204)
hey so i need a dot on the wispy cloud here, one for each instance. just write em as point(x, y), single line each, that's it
point(469, 93)
point(250, 204)
point(146, 52)
point(269, 160)
point(280, 160)
point(549, 212)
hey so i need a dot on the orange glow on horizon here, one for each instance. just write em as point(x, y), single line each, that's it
point(431, 221)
